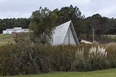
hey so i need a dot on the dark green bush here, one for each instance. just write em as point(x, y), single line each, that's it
point(99, 63)
point(83, 65)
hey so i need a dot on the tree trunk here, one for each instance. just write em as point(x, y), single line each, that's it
point(36, 67)
point(87, 36)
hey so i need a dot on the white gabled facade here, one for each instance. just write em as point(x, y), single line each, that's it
point(15, 29)
point(65, 34)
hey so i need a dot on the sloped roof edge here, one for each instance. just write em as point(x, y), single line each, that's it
point(60, 32)
point(67, 24)
point(74, 33)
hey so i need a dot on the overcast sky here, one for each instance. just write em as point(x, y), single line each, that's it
point(24, 8)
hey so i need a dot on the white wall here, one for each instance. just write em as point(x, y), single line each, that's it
point(9, 31)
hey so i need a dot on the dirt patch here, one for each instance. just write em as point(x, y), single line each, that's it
point(87, 42)
point(101, 41)
point(107, 43)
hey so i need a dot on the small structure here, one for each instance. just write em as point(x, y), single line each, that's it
point(65, 34)
point(15, 29)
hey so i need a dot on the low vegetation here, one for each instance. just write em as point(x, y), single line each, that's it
point(110, 37)
point(29, 56)
point(14, 61)
point(5, 38)
point(101, 73)
point(34, 55)
point(1, 44)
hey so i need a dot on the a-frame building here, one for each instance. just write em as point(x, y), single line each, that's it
point(65, 34)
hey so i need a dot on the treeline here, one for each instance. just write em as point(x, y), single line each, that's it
point(101, 25)
point(13, 22)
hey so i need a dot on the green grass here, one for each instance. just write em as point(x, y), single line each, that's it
point(100, 73)
point(111, 37)
point(6, 38)
point(1, 44)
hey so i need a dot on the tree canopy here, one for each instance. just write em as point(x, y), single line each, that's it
point(99, 23)
point(71, 13)
point(43, 21)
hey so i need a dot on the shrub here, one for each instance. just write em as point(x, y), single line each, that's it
point(81, 63)
point(83, 57)
point(111, 48)
point(62, 57)
point(98, 58)
point(8, 63)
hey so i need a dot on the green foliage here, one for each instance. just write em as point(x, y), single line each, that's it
point(100, 25)
point(95, 60)
point(32, 53)
point(71, 13)
point(5, 38)
point(53, 58)
point(110, 37)
point(8, 64)
point(83, 65)
point(111, 48)
point(99, 63)
point(81, 62)
point(98, 58)
point(1, 44)
point(10, 23)
point(43, 22)
point(112, 23)
point(68, 13)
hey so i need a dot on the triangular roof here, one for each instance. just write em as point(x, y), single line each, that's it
point(61, 31)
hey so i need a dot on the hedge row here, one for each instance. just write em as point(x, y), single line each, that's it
point(16, 60)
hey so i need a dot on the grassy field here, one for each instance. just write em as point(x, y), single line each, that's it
point(5, 38)
point(1, 44)
point(100, 73)
point(111, 37)
point(107, 37)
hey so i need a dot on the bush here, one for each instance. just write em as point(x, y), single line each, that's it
point(83, 57)
point(8, 63)
point(96, 60)
point(111, 48)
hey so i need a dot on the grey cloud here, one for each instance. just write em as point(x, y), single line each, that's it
point(24, 8)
